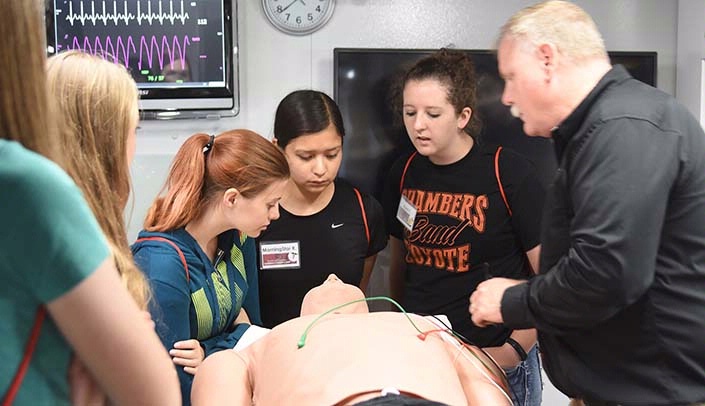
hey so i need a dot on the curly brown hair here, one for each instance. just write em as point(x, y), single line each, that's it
point(453, 69)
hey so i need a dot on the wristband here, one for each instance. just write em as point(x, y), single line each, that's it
point(518, 348)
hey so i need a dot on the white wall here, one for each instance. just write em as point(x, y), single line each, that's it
point(272, 64)
point(690, 52)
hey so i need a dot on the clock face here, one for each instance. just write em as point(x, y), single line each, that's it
point(298, 17)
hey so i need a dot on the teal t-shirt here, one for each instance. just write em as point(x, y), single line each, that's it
point(49, 243)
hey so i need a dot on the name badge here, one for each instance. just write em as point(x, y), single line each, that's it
point(279, 254)
point(406, 213)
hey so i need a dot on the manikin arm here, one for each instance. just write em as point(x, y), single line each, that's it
point(224, 369)
point(479, 390)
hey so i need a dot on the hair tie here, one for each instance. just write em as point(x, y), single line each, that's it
point(209, 145)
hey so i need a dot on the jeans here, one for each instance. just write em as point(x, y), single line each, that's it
point(525, 380)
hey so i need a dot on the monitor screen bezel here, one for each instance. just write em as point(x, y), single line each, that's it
point(370, 149)
point(188, 103)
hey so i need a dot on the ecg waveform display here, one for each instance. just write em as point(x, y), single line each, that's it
point(174, 42)
point(122, 13)
point(151, 52)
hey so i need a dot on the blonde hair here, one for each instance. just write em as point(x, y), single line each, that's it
point(206, 166)
point(561, 23)
point(24, 110)
point(97, 101)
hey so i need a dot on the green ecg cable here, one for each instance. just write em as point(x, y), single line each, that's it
point(302, 340)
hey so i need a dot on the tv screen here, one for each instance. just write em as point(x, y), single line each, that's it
point(375, 139)
point(181, 53)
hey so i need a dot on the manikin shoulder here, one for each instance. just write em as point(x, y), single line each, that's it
point(224, 369)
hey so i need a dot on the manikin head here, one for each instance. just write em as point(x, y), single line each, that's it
point(333, 292)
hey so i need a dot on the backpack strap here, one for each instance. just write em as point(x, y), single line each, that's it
point(176, 247)
point(499, 180)
point(364, 215)
point(26, 358)
point(403, 174)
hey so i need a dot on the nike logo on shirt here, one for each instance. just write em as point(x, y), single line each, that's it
point(336, 225)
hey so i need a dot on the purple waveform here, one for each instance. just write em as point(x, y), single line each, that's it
point(161, 50)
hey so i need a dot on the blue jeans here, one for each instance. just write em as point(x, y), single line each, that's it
point(525, 380)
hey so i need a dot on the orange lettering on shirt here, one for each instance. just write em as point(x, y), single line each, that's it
point(478, 220)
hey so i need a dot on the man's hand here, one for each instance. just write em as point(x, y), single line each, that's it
point(486, 301)
point(188, 354)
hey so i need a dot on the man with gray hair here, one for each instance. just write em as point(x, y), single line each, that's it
point(620, 300)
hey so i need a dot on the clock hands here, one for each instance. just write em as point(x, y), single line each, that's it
point(290, 4)
point(297, 17)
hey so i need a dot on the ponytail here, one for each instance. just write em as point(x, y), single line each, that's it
point(205, 166)
point(180, 198)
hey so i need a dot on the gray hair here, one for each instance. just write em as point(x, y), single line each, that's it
point(560, 23)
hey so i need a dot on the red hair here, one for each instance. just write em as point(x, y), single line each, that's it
point(239, 159)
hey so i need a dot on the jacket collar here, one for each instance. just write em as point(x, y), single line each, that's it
point(570, 126)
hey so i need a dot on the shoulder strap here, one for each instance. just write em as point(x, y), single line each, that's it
point(403, 174)
point(26, 358)
point(499, 180)
point(176, 247)
point(364, 215)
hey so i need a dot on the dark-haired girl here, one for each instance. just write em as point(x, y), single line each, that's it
point(326, 224)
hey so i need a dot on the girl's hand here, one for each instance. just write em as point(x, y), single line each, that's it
point(188, 354)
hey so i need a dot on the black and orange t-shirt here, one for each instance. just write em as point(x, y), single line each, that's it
point(463, 231)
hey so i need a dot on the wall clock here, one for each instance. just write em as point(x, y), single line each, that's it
point(298, 17)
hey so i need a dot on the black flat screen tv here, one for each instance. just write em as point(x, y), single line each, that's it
point(181, 53)
point(374, 139)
